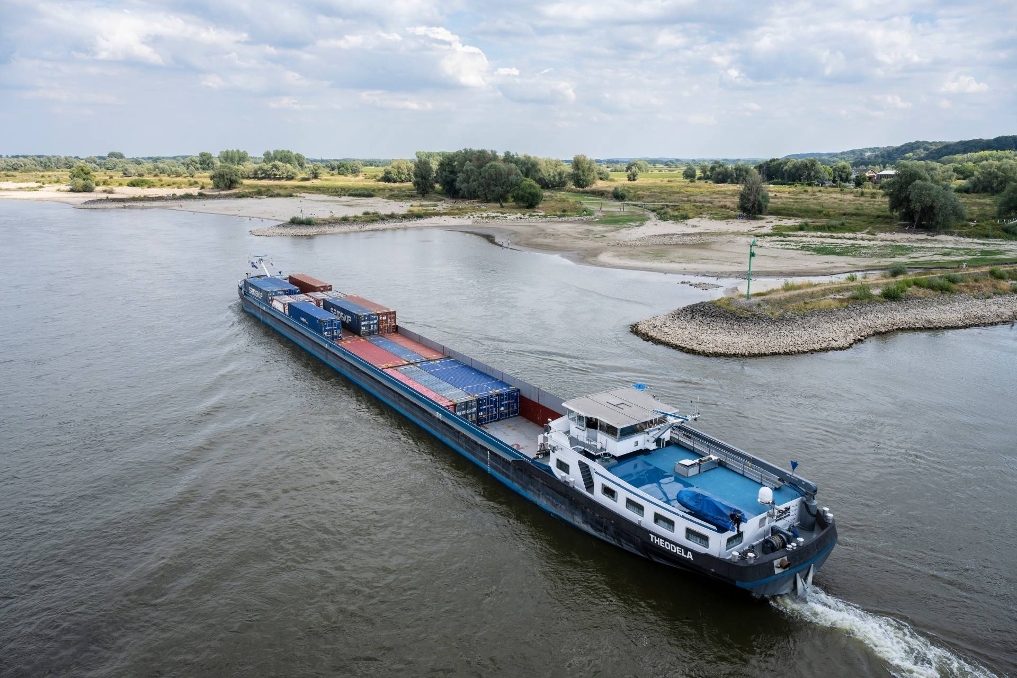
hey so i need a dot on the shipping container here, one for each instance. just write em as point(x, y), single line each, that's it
point(426, 351)
point(266, 287)
point(318, 321)
point(332, 294)
point(308, 284)
point(422, 390)
point(466, 404)
point(372, 353)
point(386, 316)
point(353, 316)
point(406, 354)
point(495, 399)
point(318, 297)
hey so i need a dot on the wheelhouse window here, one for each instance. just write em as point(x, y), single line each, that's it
point(562, 466)
point(661, 521)
point(634, 507)
point(697, 537)
point(609, 492)
point(734, 540)
point(608, 430)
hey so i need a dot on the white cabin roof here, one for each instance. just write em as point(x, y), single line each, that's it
point(619, 407)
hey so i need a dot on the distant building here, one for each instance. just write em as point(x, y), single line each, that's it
point(884, 175)
point(871, 176)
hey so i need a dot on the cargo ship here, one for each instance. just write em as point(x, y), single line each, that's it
point(620, 465)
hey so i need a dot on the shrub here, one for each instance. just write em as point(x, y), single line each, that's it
point(361, 193)
point(893, 292)
point(140, 183)
point(82, 185)
point(997, 273)
point(851, 277)
point(226, 177)
point(952, 277)
point(897, 269)
point(527, 193)
point(862, 293)
point(619, 193)
point(303, 221)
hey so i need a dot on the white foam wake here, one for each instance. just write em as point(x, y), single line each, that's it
point(908, 653)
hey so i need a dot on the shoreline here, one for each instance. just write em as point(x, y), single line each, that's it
point(709, 330)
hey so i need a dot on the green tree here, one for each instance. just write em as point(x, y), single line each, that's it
point(206, 161)
point(398, 172)
point(632, 174)
point(754, 199)
point(554, 174)
point(423, 175)
point(690, 172)
point(603, 173)
point(114, 155)
point(993, 177)
point(842, 173)
point(933, 206)
point(226, 177)
point(859, 180)
point(497, 180)
point(641, 166)
point(528, 194)
point(1006, 205)
point(81, 171)
point(584, 171)
point(620, 193)
point(234, 157)
point(739, 173)
point(315, 170)
point(720, 173)
point(898, 189)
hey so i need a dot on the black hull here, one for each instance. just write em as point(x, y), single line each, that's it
point(535, 481)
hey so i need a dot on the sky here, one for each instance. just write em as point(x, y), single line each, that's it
point(383, 79)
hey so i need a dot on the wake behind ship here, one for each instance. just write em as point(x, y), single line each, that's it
point(620, 465)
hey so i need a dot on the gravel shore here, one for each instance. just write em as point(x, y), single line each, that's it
point(708, 329)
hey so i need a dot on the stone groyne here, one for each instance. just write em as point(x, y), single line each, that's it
point(710, 329)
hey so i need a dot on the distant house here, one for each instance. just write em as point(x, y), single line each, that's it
point(884, 175)
point(871, 176)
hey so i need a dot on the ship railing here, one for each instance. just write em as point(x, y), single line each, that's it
point(585, 445)
point(740, 461)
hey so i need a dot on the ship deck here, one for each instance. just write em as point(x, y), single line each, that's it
point(519, 433)
point(653, 473)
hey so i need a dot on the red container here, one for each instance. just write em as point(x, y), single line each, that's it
point(308, 284)
point(415, 346)
point(386, 316)
point(422, 390)
point(373, 354)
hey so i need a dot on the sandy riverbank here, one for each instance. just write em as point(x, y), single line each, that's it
point(695, 247)
point(708, 329)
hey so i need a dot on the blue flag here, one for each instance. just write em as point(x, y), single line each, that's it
point(794, 465)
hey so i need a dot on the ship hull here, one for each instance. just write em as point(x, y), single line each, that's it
point(535, 481)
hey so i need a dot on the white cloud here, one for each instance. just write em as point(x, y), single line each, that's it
point(380, 99)
point(702, 119)
point(213, 81)
point(507, 71)
point(965, 84)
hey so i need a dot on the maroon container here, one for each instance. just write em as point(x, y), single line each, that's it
point(308, 284)
point(386, 316)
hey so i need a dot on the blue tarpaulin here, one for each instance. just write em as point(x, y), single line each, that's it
point(710, 509)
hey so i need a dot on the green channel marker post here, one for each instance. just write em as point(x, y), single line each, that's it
point(752, 254)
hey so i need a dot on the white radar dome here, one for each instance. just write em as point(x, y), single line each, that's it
point(765, 495)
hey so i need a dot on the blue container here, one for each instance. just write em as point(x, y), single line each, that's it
point(495, 399)
point(465, 404)
point(397, 349)
point(354, 317)
point(265, 287)
point(318, 321)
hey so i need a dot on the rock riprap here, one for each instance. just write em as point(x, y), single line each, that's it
point(707, 328)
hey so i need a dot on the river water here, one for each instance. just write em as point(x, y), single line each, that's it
point(183, 492)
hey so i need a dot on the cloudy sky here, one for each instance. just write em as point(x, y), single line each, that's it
point(372, 78)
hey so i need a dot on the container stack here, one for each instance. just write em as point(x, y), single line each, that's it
point(495, 399)
point(265, 288)
point(318, 321)
point(307, 284)
point(372, 353)
point(386, 316)
point(354, 317)
point(465, 404)
point(282, 302)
